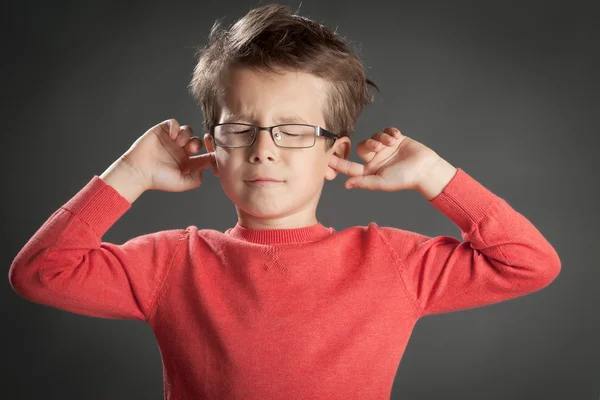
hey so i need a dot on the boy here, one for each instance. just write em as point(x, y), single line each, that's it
point(280, 306)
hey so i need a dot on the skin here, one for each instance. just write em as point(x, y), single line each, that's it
point(265, 99)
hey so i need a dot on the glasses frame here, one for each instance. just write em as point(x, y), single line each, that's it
point(318, 132)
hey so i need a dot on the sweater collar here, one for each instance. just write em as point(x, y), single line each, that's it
point(305, 234)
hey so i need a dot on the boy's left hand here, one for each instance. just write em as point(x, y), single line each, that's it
point(393, 162)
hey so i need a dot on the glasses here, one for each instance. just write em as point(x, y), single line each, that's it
point(296, 136)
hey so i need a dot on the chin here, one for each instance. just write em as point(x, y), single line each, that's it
point(259, 212)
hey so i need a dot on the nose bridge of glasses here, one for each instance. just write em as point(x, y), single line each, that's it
point(269, 132)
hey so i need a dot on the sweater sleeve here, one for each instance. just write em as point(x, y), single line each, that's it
point(503, 255)
point(66, 265)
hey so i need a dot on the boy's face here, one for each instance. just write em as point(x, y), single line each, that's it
point(266, 99)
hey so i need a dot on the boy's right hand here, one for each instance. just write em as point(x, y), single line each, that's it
point(163, 157)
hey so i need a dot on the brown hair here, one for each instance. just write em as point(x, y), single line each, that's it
point(271, 37)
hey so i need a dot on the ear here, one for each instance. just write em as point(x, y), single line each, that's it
point(341, 148)
point(208, 145)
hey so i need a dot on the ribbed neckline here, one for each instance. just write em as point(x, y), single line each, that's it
point(305, 234)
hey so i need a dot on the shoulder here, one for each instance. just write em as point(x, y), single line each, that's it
point(372, 229)
point(383, 232)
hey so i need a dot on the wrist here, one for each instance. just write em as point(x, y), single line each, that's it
point(125, 179)
point(435, 178)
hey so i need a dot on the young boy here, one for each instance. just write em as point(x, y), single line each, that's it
point(280, 306)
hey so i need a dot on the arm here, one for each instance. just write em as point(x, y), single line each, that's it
point(123, 178)
point(436, 179)
point(503, 255)
point(66, 265)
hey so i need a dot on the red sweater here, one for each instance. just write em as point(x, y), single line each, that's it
point(300, 313)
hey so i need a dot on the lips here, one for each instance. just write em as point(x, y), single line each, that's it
point(263, 179)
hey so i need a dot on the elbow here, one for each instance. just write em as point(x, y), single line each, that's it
point(25, 280)
point(16, 280)
point(17, 284)
point(554, 266)
point(549, 272)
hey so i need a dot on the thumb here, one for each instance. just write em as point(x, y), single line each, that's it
point(197, 165)
point(193, 179)
point(368, 182)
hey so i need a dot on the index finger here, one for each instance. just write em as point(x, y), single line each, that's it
point(346, 167)
point(204, 160)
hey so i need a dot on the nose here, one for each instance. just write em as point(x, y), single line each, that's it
point(263, 148)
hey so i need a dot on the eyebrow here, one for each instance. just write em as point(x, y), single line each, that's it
point(291, 119)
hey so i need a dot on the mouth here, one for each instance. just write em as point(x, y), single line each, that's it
point(263, 182)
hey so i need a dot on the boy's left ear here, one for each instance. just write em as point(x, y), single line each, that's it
point(341, 148)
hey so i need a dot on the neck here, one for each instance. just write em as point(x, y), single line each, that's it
point(294, 221)
point(275, 236)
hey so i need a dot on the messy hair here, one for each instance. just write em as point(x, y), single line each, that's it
point(271, 37)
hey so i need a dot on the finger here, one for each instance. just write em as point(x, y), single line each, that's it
point(346, 167)
point(184, 135)
point(367, 149)
point(202, 161)
point(394, 132)
point(193, 145)
point(369, 182)
point(391, 130)
point(385, 138)
point(193, 179)
point(171, 127)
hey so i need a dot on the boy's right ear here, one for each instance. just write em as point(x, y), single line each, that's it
point(209, 149)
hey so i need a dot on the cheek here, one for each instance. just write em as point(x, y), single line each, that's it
point(222, 157)
point(228, 164)
point(307, 174)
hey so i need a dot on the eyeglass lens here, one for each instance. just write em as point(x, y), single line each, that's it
point(289, 135)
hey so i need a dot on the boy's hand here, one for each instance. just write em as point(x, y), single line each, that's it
point(393, 162)
point(163, 158)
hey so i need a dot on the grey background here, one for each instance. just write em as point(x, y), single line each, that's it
point(508, 91)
